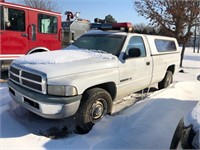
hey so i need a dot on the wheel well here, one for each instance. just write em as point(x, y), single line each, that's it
point(38, 50)
point(171, 68)
point(110, 87)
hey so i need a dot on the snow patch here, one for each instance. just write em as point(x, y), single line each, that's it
point(149, 124)
point(62, 56)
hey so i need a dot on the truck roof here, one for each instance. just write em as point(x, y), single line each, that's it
point(29, 8)
point(152, 37)
point(121, 28)
point(105, 32)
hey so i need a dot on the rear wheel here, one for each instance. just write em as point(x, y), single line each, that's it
point(168, 79)
point(95, 104)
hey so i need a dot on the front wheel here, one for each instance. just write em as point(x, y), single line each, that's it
point(95, 104)
point(168, 79)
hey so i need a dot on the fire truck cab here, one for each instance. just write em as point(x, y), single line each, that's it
point(25, 30)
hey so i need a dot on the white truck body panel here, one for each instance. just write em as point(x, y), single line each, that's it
point(123, 75)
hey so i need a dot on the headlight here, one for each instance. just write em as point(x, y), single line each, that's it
point(62, 90)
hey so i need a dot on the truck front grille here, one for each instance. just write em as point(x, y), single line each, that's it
point(28, 79)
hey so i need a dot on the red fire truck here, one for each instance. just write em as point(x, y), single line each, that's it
point(25, 30)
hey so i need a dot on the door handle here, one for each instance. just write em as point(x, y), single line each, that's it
point(148, 63)
point(24, 34)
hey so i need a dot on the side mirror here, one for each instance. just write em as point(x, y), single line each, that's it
point(133, 53)
point(198, 77)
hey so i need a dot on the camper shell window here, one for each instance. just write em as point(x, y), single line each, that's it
point(165, 45)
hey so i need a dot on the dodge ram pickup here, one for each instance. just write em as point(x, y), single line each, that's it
point(84, 79)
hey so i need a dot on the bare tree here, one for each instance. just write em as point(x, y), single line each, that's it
point(145, 29)
point(110, 19)
point(174, 17)
point(41, 4)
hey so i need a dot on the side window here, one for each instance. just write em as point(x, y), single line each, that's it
point(47, 24)
point(2, 18)
point(165, 45)
point(137, 42)
point(12, 19)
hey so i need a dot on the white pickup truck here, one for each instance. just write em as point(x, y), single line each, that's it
point(85, 78)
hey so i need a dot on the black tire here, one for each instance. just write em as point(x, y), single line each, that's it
point(168, 79)
point(95, 104)
point(177, 135)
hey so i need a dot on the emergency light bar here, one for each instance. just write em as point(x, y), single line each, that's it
point(124, 26)
point(101, 26)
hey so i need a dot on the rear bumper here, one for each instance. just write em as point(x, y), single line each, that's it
point(47, 106)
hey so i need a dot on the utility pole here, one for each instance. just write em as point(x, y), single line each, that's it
point(197, 24)
point(199, 39)
point(195, 34)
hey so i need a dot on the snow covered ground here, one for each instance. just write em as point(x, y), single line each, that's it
point(148, 124)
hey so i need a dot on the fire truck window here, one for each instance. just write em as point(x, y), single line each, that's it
point(47, 24)
point(14, 19)
point(2, 19)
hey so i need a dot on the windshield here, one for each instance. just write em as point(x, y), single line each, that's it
point(105, 42)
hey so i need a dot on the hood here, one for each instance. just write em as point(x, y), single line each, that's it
point(66, 62)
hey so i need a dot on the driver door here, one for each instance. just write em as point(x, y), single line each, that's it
point(135, 73)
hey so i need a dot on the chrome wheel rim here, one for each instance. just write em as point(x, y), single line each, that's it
point(168, 81)
point(98, 110)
